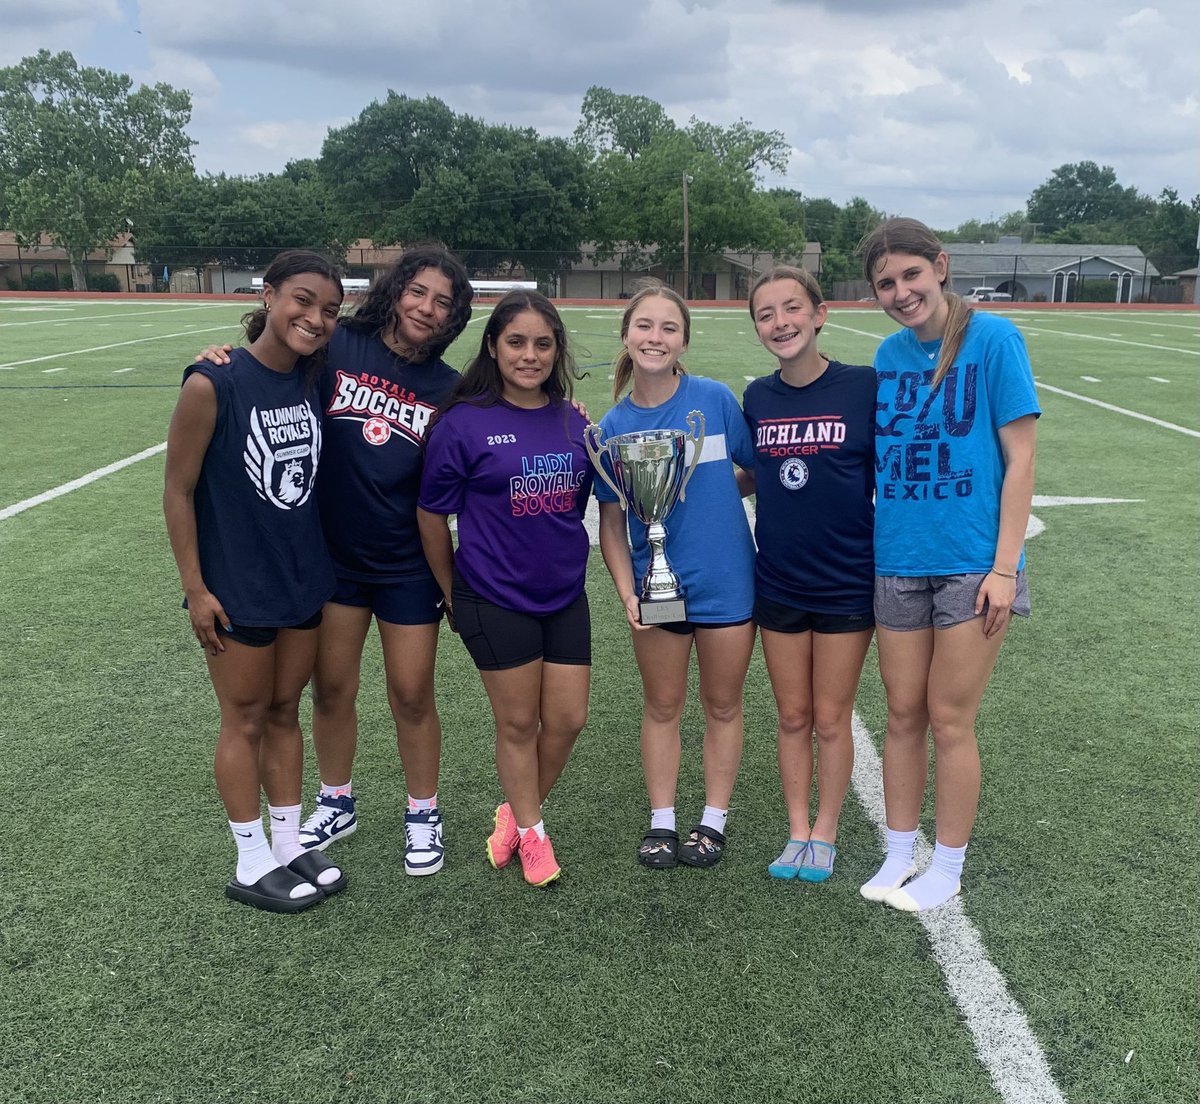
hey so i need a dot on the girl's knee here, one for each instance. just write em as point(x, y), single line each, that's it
point(796, 723)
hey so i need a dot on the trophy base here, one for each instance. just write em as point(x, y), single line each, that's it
point(661, 611)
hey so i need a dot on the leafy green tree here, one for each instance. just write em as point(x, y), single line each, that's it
point(408, 170)
point(81, 151)
point(611, 122)
point(234, 221)
point(1082, 193)
point(1170, 240)
point(376, 164)
point(639, 160)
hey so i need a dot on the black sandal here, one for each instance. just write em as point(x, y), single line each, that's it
point(659, 848)
point(703, 847)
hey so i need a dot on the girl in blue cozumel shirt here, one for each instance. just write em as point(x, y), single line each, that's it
point(954, 445)
point(711, 550)
point(813, 424)
point(506, 455)
point(242, 457)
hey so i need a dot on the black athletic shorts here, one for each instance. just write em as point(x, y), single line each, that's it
point(499, 639)
point(776, 617)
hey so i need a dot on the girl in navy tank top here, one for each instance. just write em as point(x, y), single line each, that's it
point(242, 457)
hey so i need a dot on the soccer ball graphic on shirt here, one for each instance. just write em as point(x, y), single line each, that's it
point(376, 431)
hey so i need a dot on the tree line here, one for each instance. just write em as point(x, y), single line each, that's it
point(85, 156)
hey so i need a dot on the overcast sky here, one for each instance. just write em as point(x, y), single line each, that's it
point(941, 109)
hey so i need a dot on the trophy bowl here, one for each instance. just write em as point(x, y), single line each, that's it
point(649, 476)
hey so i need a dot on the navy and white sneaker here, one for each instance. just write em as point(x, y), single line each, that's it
point(333, 818)
point(423, 850)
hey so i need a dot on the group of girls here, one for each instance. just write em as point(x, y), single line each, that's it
point(892, 500)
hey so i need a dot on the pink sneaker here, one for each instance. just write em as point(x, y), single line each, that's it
point(502, 843)
point(537, 859)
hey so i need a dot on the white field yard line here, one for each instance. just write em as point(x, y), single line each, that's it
point(1004, 1041)
point(99, 473)
point(1042, 328)
point(82, 481)
point(115, 345)
point(1118, 409)
point(116, 316)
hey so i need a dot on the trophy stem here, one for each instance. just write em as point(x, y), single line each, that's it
point(660, 582)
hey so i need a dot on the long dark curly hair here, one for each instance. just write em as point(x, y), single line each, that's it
point(377, 313)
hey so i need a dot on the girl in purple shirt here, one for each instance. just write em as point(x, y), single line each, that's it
point(506, 455)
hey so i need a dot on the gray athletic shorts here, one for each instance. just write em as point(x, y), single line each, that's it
point(906, 603)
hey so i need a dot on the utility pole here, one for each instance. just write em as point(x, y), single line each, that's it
point(686, 181)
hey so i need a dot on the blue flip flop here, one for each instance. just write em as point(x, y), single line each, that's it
point(818, 862)
point(788, 864)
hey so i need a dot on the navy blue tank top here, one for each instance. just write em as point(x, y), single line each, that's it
point(262, 552)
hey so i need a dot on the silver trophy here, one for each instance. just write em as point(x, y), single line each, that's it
point(650, 474)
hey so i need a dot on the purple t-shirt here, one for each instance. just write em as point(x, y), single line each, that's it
point(519, 482)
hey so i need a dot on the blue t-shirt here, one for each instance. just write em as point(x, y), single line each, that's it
point(939, 466)
point(708, 537)
point(519, 482)
point(376, 408)
point(257, 527)
point(814, 451)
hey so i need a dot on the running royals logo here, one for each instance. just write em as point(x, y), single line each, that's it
point(793, 473)
point(281, 454)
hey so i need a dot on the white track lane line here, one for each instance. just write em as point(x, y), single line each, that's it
point(1119, 410)
point(115, 345)
point(1004, 1041)
point(82, 481)
point(110, 317)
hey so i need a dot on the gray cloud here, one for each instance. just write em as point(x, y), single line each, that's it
point(945, 109)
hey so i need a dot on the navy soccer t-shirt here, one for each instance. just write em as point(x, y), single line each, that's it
point(376, 408)
point(814, 469)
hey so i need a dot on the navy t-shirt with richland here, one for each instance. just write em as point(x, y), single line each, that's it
point(258, 532)
point(814, 470)
point(376, 408)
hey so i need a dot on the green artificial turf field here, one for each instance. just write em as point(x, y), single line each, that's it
point(1067, 972)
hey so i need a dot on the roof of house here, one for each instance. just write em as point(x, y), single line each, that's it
point(969, 259)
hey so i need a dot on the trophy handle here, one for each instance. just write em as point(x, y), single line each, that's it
point(695, 421)
point(595, 452)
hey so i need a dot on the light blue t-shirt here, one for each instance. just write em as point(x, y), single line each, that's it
point(938, 461)
point(708, 537)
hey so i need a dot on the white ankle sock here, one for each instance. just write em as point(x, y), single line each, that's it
point(285, 832)
point(346, 790)
point(663, 818)
point(897, 868)
point(539, 828)
point(714, 818)
point(421, 804)
point(254, 853)
point(936, 886)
